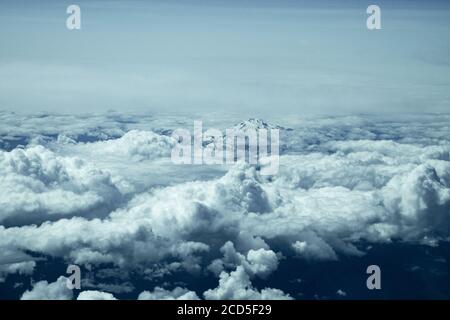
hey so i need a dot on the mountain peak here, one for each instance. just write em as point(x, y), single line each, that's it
point(255, 124)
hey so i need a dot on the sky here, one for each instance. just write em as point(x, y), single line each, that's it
point(255, 57)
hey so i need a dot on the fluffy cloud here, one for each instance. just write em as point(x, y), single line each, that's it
point(43, 290)
point(24, 267)
point(37, 185)
point(260, 262)
point(317, 220)
point(340, 181)
point(95, 295)
point(313, 247)
point(23, 128)
point(163, 294)
point(136, 145)
point(13, 262)
point(237, 286)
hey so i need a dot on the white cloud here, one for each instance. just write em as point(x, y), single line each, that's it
point(37, 184)
point(43, 290)
point(260, 262)
point(313, 247)
point(340, 181)
point(95, 295)
point(136, 145)
point(236, 285)
point(163, 294)
point(318, 217)
point(23, 267)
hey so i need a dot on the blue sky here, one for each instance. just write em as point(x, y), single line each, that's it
point(258, 57)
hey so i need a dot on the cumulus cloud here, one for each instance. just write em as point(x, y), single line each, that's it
point(21, 129)
point(37, 184)
point(162, 294)
point(260, 262)
point(95, 295)
point(341, 180)
point(24, 267)
point(43, 290)
point(13, 262)
point(313, 247)
point(236, 285)
point(137, 145)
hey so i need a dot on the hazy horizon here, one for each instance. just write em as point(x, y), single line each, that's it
point(233, 56)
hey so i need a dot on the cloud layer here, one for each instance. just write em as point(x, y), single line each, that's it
point(103, 203)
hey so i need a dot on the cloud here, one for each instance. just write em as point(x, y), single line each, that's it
point(318, 218)
point(43, 290)
point(314, 248)
point(38, 185)
point(236, 285)
point(23, 267)
point(120, 203)
point(341, 293)
point(163, 294)
point(260, 262)
point(95, 295)
point(135, 144)
point(13, 262)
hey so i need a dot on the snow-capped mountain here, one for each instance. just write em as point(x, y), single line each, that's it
point(256, 124)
